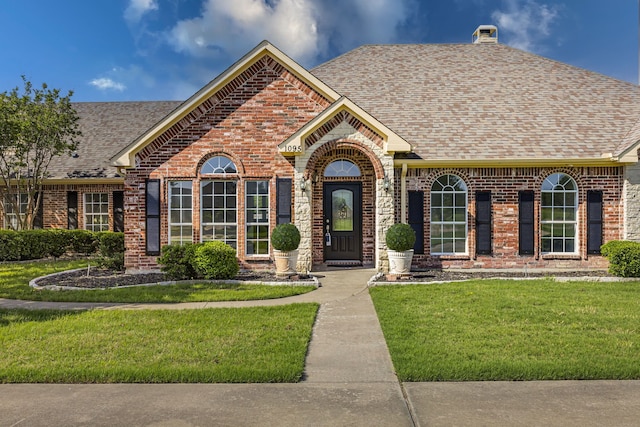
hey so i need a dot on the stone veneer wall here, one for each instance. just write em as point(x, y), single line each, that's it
point(631, 198)
point(344, 142)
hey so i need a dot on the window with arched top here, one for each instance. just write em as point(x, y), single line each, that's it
point(218, 165)
point(559, 214)
point(449, 215)
point(342, 167)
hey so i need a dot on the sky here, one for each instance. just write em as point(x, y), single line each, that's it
point(139, 50)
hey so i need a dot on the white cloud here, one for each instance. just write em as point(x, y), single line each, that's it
point(526, 23)
point(104, 83)
point(137, 8)
point(303, 29)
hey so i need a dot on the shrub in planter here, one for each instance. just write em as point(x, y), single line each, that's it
point(623, 256)
point(400, 237)
point(10, 243)
point(176, 261)
point(285, 240)
point(285, 237)
point(215, 260)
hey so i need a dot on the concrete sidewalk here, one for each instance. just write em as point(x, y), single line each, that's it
point(349, 381)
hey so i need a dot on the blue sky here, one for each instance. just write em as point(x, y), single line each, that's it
point(119, 50)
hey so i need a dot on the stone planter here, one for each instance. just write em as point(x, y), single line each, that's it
point(285, 262)
point(400, 262)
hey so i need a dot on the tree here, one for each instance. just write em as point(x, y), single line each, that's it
point(35, 126)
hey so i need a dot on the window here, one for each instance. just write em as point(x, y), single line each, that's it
point(342, 168)
point(257, 217)
point(558, 214)
point(219, 212)
point(12, 218)
point(218, 165)
point(96, 211)
point(449, 216)
point(180, 212)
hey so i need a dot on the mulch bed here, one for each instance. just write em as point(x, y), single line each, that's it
point(102, 278)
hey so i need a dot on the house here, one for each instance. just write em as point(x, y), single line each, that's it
point(497, 157)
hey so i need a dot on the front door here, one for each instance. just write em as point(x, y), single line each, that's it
point(343, 221)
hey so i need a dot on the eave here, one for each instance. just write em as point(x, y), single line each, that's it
point(514, 162)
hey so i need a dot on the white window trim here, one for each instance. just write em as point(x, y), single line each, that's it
point(213, 223)
point(93, 215)
point(454, 223)
point(576, 238)
point(181, 209)
point(249, 223)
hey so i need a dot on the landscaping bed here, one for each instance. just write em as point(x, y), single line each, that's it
point(104, 278)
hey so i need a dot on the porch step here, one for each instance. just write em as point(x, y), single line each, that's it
point(343, 263)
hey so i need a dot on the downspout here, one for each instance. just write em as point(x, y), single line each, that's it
point(403, 194)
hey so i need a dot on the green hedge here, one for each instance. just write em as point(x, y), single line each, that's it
point(209, 260)
point(52, 243)
point(623, 256)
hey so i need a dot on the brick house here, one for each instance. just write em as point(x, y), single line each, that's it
point(498, 158)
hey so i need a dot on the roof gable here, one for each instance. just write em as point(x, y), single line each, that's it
point(298, 142)
point(196, 105)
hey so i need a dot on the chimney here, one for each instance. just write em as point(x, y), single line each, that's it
point(485, 34)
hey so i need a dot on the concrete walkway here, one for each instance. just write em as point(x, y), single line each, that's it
point(349, 381)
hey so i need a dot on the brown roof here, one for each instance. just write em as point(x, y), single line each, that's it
point(107, 127)
point(485, 102)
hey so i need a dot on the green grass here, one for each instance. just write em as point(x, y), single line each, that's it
point(258, 344)
point(15, 277)
point(512, 330)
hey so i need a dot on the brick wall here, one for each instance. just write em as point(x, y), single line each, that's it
point(504, 185)
point(245, 121)
point(54, 203)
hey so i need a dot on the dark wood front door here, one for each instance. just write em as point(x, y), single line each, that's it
point(343, 221)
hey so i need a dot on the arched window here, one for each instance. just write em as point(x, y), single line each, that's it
point(449, 215)
point(558, 214)
point(218, 165)
point(342, 167)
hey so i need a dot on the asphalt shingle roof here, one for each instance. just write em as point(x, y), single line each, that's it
point(486, 102)
point(107, 127)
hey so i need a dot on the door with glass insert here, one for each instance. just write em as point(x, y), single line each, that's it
point(342, 221)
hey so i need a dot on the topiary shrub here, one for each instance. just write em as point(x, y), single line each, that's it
point(623, 256)
point(285, 237)
point(176, 261)
point(10, 244)
point(215, 261)
point(400, 237)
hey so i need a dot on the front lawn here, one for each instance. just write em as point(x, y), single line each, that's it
point(258, 344)
point(512, 330)
point(15, 277)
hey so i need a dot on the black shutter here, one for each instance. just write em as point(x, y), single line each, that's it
point(483, 222)
point(118, 211)
point(38, 220)
point(526, 223)
point(416, 219)
point(152, 213)
point(283, 200)
point(72, 210)
point(594, 221)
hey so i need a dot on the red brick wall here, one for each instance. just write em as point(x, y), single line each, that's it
point(245, 122)
point(504, 184)
point(54, 199)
